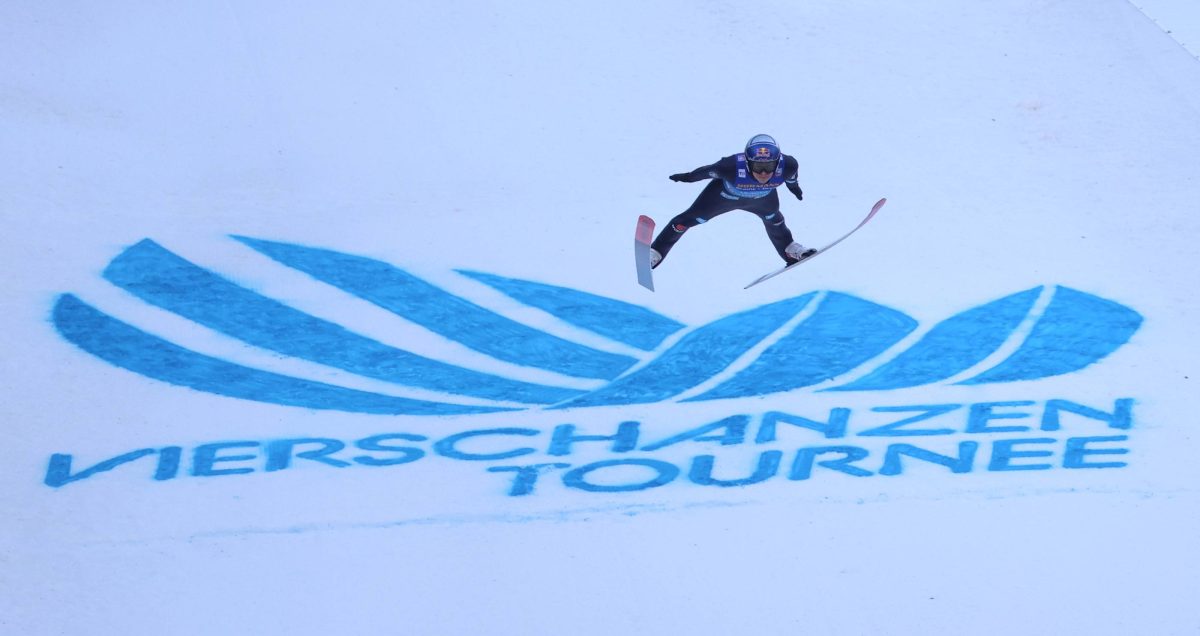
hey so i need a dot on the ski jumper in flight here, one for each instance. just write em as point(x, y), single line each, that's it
point(747, 182)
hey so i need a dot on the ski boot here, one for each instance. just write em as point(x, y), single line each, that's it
point(797, 252)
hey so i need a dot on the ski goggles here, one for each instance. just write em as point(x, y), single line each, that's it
point(763, 167)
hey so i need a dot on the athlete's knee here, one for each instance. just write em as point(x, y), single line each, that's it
point(684, 221)
point(774, 219)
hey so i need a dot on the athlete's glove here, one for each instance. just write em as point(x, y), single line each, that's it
point(684, 177)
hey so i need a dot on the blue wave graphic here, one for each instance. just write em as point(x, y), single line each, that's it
point(465, 322)
point(750, 353)
point(697, 357)
point(1076, 330)
point(952, 346)
point(843, 333)
point(125, 346)
point(619, 321)
point(161, 278)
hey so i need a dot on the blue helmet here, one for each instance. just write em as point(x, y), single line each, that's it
point(762, 149)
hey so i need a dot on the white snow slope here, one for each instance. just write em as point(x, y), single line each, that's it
point(264, 261)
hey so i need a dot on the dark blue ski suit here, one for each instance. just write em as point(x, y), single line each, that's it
point(734, 188)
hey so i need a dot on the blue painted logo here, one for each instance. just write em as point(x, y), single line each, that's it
point(821, 341)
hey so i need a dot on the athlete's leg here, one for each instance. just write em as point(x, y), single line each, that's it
point(710, 204)
point(767, 209)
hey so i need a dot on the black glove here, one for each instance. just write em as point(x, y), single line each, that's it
point(683, 177)
point(799, 194)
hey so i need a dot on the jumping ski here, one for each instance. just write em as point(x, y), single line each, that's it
point(777, 272)
point(641, 251)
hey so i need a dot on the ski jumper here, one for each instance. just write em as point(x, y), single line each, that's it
point(734, 188)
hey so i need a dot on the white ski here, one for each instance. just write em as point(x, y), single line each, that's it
point(641, 251)
point(777, 272)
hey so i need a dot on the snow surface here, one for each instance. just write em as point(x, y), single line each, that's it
point(1178, 18)
point(1022, 144)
